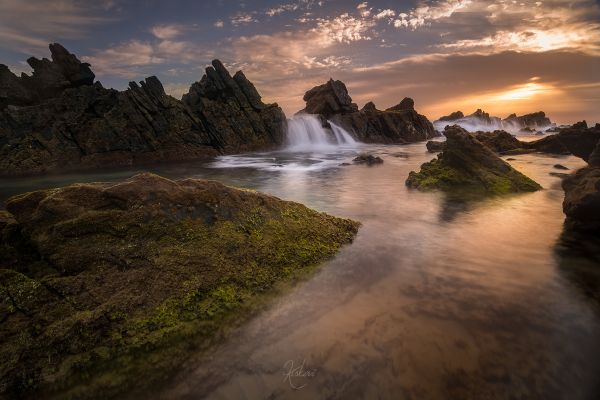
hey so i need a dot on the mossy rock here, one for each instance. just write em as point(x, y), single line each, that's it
point(468, 168)
point(123, 280)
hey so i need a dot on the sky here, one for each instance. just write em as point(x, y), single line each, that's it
point(448, 55)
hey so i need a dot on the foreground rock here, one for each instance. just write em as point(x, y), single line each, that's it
point(398, 124)
point(434, 146)
point(58, 118)
point(582, 197)
point(579, 141)
point(103, 286)
point(467, 167)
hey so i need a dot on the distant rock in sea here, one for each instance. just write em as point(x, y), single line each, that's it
point(482, 121)
point(398, 124)
point(468, 168)
point(58, 118)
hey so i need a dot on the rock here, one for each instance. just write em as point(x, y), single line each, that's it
point(367, 159)
point(467, 167)
point(528, 122)
point(577, 141)
point(560, 166)
point(452, 117)
point(580, 125)
point(398, 124)
point(407, 104)
point(115, 274)
point(434, 146)
point(58, 119)
point(329, 99)
point(233, 112)
point(499, 141)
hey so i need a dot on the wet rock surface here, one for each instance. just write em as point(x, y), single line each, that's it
point(467, 167)
point(104, 284)
point(398, 124)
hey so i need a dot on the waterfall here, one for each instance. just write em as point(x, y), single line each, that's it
point(306, 133)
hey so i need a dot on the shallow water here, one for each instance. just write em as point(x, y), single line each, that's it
point(433, 300)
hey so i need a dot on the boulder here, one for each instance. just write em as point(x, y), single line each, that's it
point(107, 276)
point(368, 159)
point(499, 141)
point(398, 124)
point(531, 121)
point(468, 168)
point(434, 146)
point(59, 119)
point(580, 125)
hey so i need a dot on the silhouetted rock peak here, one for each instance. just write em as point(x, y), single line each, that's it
point(370, 106)
point(453, 116)
point(407, 104)
point(328, 99)
point(580, 125)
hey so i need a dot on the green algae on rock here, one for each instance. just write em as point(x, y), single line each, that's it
point(468, 167)
point(106, 286)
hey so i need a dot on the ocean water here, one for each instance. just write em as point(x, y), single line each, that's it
point(433, 300)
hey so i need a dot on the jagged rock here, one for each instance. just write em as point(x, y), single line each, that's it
point(577, 141)
point(434, 146)
point(467, 167)
point(398, 124)
point(499, 141)
point(452, 116)
point(580, 125)
point(232, 109)
point(71, 122)
point(106, 276)
point(531, 121)
point(367, 159)
point(329, 99)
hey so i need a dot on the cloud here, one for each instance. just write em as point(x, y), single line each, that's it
point(28, 26)
point(387, 13)
point(219, 24)
point(242, 19)
point(426, 14)
point(166, 32)
point(345, 28)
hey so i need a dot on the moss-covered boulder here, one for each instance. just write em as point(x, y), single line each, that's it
point(105, 287)
point(468, 167)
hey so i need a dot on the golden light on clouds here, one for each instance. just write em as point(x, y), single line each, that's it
point(529, 96)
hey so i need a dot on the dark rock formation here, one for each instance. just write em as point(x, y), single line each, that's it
point(119, 279)
point(580, 125)
point(232, 109)
point(534, 120)
point(499, 141)
point(468, 168)
point(452, 116)
point(368, 159)
point(582, 197)
point(577, 141)
point(398, 124)
point(434, 146)
point(57, 118)
point(329, 99)
point(480, 120)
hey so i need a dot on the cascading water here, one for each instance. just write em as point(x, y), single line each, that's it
point(306, 133)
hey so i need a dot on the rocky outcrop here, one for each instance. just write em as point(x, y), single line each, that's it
point(466, 167)
point(398, 124)
point(368, 159)
point(98, 279)
point(499, 141)
point(577, 141)
point(58, 118)
point(582, 196)
point(231, 108)
point(536, 120)
point(434, 146)
point(452, 116)
point(482, 121)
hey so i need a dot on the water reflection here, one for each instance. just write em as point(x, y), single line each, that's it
point(433, 300)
